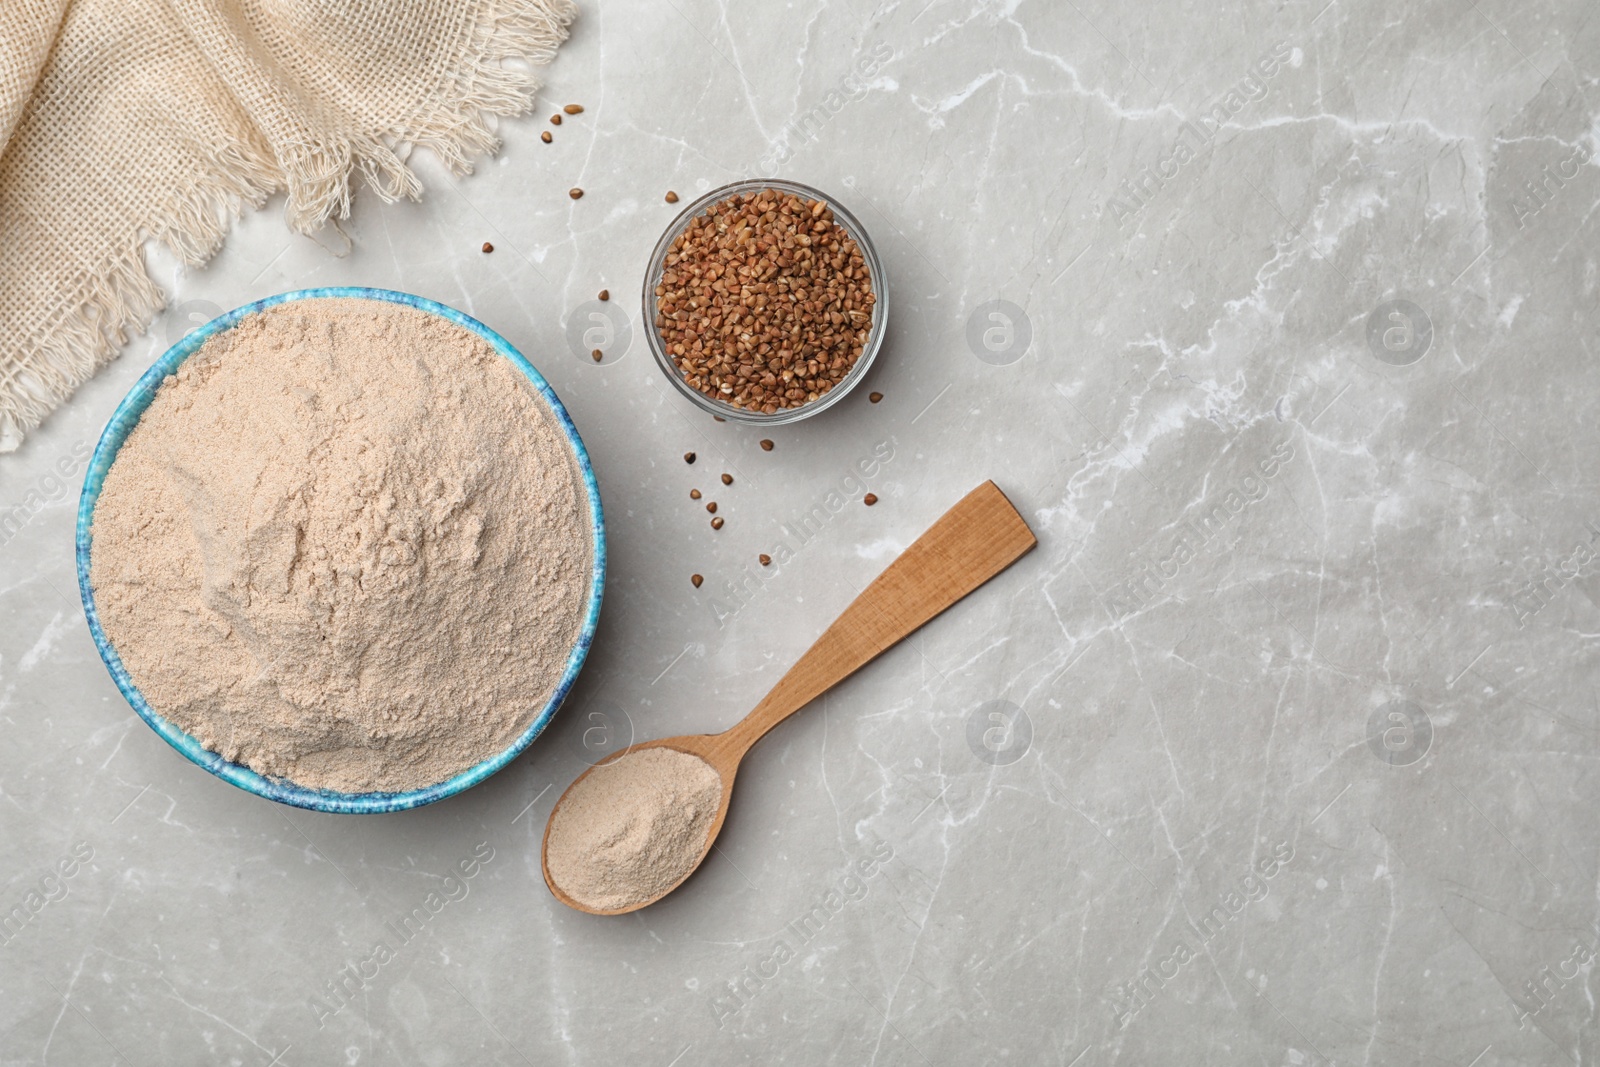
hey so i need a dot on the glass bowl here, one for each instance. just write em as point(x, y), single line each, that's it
point(126, 418)
point(869, 351)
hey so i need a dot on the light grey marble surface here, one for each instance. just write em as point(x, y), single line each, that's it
point(1307, 652)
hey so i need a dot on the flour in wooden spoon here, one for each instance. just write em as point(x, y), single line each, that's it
point(346, 545)
point(631, 829)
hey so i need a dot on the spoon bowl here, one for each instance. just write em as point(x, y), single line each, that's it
point(714, 750)
point(971, 543)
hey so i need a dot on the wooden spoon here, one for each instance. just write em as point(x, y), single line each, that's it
point(971, 543)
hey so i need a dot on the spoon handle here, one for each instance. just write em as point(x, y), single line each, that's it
point(971, 543)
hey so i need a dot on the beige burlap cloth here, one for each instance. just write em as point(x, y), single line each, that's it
point(123, 121)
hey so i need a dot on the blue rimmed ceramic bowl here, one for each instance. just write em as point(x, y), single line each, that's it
point(286, 792)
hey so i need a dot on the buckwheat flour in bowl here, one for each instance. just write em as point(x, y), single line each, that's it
point(349, 547)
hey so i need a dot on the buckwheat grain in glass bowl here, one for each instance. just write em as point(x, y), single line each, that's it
point(765, 302)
